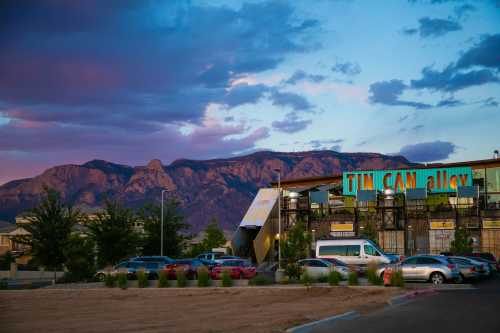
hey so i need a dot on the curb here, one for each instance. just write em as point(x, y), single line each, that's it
point(323, 323)
point(401, 299)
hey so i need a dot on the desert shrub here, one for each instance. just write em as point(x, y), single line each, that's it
point(373, 277)
point(3, 284)
point(226, 279)
point(334, 278)
point(142, 279)
point(109, 281)
point(203, 277)
point(293, 271)
point(181, 277)
point(163, 280)
point(323, 279)
point(397, 279)
point(352, 279)
point(260, 280)
point(122, 281)
point(306, 279)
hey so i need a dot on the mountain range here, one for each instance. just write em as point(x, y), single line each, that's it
point(220, 188)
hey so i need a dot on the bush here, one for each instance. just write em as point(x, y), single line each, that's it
point(293, 271)
point(306, 279)
point(122, 280)
point(142, 279)
point(334, 278)
point(397, 279)
point(3, 284)
point(352, 279)
point(181, 278)
point(260, 280)
point(163, 280)
point(203, 277)
point(373, 277)
point(226, 279)
point(323, 279)
point(109, 281)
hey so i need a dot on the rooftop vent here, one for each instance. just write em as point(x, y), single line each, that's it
point(495, 154)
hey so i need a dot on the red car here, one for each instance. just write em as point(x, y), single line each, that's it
point(238, 269)
point(189, 266)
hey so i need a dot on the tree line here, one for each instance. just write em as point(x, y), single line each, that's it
point(63, 237)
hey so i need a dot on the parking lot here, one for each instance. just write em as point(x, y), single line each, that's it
point(250, 309)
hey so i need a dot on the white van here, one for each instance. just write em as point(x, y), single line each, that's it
point(353, 251)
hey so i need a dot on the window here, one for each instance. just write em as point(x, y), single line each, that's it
point(317, 263)
point(122, 264)
point(410, 261)
point(370, 250)
point(427, 261)
point(353, 250)
point(332, 250)
point(493, 179)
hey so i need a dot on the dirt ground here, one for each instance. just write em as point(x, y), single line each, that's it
point(180, 310)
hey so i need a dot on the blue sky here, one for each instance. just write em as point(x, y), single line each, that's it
point(129, 81)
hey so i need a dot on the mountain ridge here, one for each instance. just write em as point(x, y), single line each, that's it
point(222, 188)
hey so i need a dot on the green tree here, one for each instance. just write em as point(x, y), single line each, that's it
point(370, 231)
point(295, 244)
point(462, 244)
point(6, 260)
point(80, 257)
point(50, 226)
point(173, 226)
point(114, 233)
point(214, 236)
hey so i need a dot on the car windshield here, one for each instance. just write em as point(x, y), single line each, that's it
point(487, 256)
point(233, 263)
point(335, 262)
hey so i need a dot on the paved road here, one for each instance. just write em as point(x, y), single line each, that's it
point(476, 311)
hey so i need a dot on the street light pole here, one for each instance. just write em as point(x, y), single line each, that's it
point(161, 232)
point(279, 219)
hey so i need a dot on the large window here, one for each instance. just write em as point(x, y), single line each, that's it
point(493, 179)
point(339, 250)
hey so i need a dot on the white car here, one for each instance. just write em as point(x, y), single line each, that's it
point(356, 251)
point(322, 267)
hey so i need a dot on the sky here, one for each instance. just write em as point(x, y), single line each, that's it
point(129, 81)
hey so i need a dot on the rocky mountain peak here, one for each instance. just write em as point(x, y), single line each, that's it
point(155, 164)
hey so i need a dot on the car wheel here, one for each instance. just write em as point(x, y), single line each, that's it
point(100, 277)
point(153, 276)
point(242, 276)
point(437, 278)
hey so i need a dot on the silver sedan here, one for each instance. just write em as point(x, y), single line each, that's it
point(436, 269)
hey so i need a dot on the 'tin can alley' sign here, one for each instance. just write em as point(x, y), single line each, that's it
point(436, 180)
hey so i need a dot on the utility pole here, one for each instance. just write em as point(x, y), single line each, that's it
point(161, 232)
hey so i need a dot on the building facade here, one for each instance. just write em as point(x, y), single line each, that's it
point(407, 211)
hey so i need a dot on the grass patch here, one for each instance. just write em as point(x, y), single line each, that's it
point(142, 280)
point(122, 280)
point(181, 277)
point(109, 281)
point(262, 280)
point(226, 279)
point(334, 278)
point(163, 280)
point(397, 279)
point(352, 279)
point(306, 279)
point(203, 277)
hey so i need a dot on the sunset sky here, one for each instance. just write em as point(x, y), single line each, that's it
point(129, 81)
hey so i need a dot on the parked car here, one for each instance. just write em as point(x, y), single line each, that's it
point(189, 266)
point(353, 251)
point(237, 268)
point(468, 269)
point(433, 268)
point(490, 258)
point(211, 256)
point(163, 259)
point(131, 268)
point(317, 267)
point(490, 267)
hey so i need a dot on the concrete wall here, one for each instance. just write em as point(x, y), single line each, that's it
point(30, 275)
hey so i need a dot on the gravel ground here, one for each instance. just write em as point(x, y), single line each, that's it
point(250, 309)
